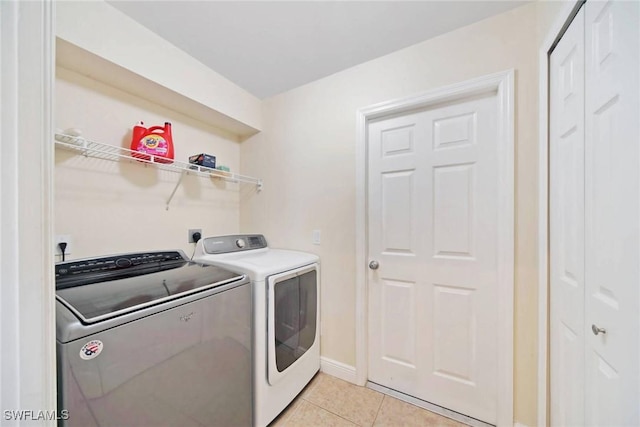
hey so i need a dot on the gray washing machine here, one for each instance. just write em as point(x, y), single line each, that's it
point(152, 339)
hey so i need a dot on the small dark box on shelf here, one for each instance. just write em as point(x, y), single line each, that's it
point(205, 160)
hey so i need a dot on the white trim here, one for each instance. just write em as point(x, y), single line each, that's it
point(520, 425)
point(506, 248)
point(362, 243)
point(9, 298)
point(503, 83)
point(338, 369)
point(27, 310)
point(543, 204)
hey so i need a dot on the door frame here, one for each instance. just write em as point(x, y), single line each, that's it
point(27, 301)
point(503, 84)
point(554, 34)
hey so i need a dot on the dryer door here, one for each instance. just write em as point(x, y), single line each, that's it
point(292, 318)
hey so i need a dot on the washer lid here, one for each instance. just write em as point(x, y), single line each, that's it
point(102, 299)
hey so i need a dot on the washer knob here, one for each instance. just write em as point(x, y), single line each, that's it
point(240, 243)
point(123, 262)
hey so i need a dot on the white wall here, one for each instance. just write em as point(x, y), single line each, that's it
point(306, 155)
point(112, 207)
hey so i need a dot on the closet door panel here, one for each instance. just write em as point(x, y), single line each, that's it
point(567, 227)
point(612, 213)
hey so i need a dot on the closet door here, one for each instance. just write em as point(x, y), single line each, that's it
point(567, 227)
point(612, 214)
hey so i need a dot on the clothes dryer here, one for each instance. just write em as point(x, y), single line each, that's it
point(286, 323)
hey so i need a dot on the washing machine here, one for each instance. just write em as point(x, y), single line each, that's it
point(152, 339)
point(286, 323)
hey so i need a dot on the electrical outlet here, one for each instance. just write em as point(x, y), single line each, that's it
point(194, 230)
point(59, 238)
point(315, 237)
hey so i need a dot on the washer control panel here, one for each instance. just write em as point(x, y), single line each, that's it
point(235, 243)
point(74, 273)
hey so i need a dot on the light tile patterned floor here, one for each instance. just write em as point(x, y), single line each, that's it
point(328, 401)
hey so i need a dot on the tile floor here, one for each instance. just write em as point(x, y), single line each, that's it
point(328, 401)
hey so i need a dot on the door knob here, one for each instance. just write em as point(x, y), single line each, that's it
point(597, 330)
point(374, 265)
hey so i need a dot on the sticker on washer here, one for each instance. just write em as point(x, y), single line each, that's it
point(91, 350)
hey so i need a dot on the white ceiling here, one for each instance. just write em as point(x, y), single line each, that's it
point(269, 47)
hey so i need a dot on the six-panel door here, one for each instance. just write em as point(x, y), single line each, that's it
point(433, 228)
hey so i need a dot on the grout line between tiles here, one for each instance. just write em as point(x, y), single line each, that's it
point(312, 385)
point(331, 412)
point(295, 410)
point(379, 408)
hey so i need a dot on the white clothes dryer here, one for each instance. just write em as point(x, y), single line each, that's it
point(286, 322)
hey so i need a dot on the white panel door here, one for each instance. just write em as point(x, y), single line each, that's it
point(595, 218)
point(433, 228)
point(612, 214)
point(566, 222)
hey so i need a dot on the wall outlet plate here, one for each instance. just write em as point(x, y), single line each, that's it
point(315, 237)
point(62, 238)
point(194, 230)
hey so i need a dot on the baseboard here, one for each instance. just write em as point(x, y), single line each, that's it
point(338, 369)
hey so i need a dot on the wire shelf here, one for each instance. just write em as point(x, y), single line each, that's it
point(99, 150)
